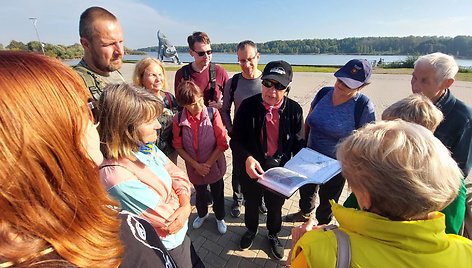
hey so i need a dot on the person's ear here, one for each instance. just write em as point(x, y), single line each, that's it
point(85, 43)
point(363, 199)
point(447, 83)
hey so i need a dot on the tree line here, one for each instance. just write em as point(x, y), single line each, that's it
point(74, 51)
point(459, 46)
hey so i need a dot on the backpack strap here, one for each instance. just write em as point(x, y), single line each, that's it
point(91, 81)
point(361, 102)
point(169, 99)
point(321, 93)
point(186, 70)
point(179, 116)
point(211, 115)
point(343, 257)
point(212, 73)
point(234, 85)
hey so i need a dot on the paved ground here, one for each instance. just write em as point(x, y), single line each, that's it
point(223, 250)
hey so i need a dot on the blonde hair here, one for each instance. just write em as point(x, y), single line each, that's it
point(141, 67)
point(407, 172)
point(415, 108)
point(50, 192)
point(123, 108)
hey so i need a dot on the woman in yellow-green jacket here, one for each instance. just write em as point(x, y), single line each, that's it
point(401, 176)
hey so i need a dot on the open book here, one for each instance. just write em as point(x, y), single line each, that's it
point(307, 166)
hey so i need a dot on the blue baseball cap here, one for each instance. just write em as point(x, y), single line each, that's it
point(355, 73)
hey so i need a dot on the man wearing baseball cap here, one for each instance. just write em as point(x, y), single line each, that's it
point(258, 125)
point(334, 113)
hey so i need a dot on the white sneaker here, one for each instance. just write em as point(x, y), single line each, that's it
point(198, 222)
point(221, 225)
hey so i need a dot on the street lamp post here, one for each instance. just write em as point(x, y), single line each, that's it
point(34, 21)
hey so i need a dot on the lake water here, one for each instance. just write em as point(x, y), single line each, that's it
point(318, 59)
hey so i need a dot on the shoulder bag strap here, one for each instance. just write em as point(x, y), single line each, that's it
point(343, 258)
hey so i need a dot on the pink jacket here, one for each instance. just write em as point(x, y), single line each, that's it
point(211, 135)
point(126, 172)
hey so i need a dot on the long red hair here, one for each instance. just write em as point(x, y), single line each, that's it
point(50, 193)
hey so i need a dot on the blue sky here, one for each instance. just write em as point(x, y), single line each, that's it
point(233, 21)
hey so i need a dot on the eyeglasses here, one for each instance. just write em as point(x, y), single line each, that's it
point(202, 53)
point(92, 105)
point(243, 61)
point(276, 85)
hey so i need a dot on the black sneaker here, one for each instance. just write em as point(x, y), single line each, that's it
point(246, 240)
point(235, 209)
point(276, 247)
point(263, 208)
point(297, 217)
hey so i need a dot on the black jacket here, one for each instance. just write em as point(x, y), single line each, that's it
point(455, 131)
point(247, 129)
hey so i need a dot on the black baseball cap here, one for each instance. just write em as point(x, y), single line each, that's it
point(280, 71)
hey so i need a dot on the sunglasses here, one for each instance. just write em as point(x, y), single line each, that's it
point(202, 53)
point(276, 85)
point(92, 105)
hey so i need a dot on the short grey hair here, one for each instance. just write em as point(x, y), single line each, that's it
point(446, 66)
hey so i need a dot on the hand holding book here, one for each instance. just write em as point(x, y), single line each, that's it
point(307, 166)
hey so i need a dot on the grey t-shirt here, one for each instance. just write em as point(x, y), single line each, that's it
point(246, 88)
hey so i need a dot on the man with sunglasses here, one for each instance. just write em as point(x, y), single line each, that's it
point(267, 131)
point(101, 37)
point(209, 77)
point(241, 86)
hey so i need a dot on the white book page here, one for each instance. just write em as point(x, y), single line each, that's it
point(282, 180)
point(313, 165)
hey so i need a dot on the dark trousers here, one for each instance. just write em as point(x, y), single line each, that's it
point(185, 255)
point(217, 192)
point(330, 190)
point(253, 193)
point(238, 172)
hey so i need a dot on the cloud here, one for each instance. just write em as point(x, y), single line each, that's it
point(58, 21)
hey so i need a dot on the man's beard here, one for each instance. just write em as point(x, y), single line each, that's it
point(113, 66)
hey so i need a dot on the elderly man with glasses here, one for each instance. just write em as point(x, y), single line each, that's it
point(209, 77)
point(267, 131)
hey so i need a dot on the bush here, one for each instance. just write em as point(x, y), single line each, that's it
point(409, 62)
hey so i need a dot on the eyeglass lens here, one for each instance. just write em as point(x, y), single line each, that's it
point(202, 53)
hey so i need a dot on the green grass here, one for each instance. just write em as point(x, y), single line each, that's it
point(463, 75)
